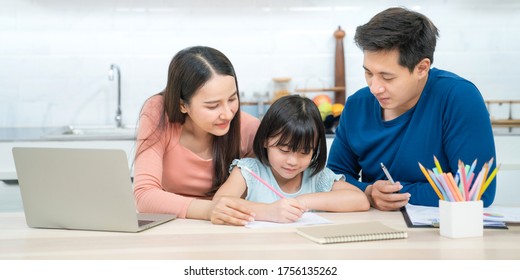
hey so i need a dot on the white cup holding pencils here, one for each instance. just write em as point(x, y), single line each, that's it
point(460, 204)
point(459, 219)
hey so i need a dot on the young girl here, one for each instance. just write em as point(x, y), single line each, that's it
point(291, 153)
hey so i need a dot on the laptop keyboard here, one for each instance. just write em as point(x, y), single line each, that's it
point(143, 222)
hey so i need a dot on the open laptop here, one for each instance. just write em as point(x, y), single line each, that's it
point(85, 189)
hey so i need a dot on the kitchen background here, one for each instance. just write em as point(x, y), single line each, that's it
point(55, 54)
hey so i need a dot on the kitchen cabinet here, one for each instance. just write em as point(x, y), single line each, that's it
point(508, 154)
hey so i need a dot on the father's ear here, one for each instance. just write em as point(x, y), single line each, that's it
point(423, 67)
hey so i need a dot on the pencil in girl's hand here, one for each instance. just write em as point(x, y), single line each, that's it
point(263, 182)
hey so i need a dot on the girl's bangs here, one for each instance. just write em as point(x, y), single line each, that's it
point(299, 138)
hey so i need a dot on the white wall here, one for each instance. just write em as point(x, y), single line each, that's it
point(55, 54)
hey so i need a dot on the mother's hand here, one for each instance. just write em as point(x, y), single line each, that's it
point(230, 211)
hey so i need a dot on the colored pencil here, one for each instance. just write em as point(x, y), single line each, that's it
point(472, 168)
point(455, 190)
point(431, 182)
point(463, 178)
point(437, 164)
point(445, 193)
point(476, 185)
point(263, 182)
point(488, 181)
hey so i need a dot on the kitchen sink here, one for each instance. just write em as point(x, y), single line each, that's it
point(91, 132)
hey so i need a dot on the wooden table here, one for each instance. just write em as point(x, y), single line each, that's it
point(200, 240)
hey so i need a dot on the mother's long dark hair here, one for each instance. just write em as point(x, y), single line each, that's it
point(189, 70)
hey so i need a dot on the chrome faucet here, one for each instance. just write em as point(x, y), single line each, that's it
point(119, 116)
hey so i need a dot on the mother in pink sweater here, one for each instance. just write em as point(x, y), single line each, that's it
point(187, 137)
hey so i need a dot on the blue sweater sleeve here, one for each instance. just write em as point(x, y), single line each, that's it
point(468, 132)
point(342, 159)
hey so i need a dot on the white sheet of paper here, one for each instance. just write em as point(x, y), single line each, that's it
point(308, 218)
point(502, 214)
point(425, 215)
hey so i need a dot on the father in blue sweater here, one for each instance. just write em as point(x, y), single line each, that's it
point(409, 113)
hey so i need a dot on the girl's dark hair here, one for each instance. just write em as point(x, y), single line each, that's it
point(409, 32)
point(297, 121)
point(189, 70)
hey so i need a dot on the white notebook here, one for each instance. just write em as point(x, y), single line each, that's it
point(355, 232)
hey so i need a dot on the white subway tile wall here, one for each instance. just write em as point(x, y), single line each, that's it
point(55, 54)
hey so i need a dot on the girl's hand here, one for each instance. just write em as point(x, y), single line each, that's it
point(230, 211)
point(286, 210)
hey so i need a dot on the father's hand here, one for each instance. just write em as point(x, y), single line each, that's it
point(383, 195)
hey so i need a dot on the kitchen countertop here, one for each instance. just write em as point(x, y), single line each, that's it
point(66, 133)
point(24, 133)
point(69, 133)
